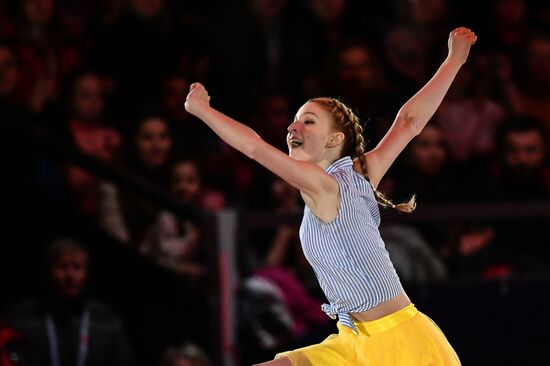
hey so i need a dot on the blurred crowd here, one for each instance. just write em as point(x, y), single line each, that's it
point(110, 79)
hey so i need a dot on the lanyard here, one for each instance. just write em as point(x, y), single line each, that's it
point(83, 339)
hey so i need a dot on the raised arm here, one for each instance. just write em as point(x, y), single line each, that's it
point(417, 111)
point(309, 178)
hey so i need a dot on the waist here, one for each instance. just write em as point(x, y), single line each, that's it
point(383, 309)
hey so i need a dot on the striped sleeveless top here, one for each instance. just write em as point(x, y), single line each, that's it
point(347, 254)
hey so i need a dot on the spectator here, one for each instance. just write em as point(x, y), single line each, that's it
point(47, 48)
point(188, 186)
point(91, 135)
point(469, 116)
point(359, 78)
point(280, 247)
point(524, 84)
point(534, 85)
point(415, 41)
point(429, 171)
point(128, 216)
point(509, 26)
point(175, 242)
point(66, 325)
point(276, 257)
point(336, 23)
point(521, 173)
point(430, 175)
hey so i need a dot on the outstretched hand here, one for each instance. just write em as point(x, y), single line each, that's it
point(197, 98)
point(460, 41)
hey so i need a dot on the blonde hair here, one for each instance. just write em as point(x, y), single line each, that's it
point(354, 145)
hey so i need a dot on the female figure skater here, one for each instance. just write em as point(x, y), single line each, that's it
point(378, 324)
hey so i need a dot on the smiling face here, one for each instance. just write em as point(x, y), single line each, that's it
point(313, 137)
point(153, 142)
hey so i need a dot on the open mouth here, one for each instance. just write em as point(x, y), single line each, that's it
point(294, 142)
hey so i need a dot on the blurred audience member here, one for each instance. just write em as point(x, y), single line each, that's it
point(278, 258)
point(47, 49)
point(427, 172)
point(359, 78)
point(173, 241)
point(415, 41)
point(534, 82)
point(509, 26)
point(430, 173)
point(187, 185)
point(521, 173)
point(65, 326)
point(284, 249)
point(468, 116)
point(126, 215)
point(90, 135)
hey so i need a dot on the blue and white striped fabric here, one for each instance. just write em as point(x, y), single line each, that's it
point(348, 255)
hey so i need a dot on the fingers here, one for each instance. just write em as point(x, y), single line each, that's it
point(195, 85)
point(464, 33)
point(198, 90)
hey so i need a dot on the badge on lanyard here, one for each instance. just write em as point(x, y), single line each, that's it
point(82, 342)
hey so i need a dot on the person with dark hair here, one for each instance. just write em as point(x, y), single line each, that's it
point(90, 134)
point(174, 241)
point(339, 233)
point(522, 171)
point(125, 215)
point(519, 173)
point(65, 326)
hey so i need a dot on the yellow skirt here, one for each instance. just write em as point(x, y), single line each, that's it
point(404, 338)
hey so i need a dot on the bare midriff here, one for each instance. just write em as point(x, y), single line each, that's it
point(383, 309)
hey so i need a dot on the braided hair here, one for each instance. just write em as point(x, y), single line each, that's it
point(354, 145)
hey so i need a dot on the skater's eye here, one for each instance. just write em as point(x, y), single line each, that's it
point(308, 122)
